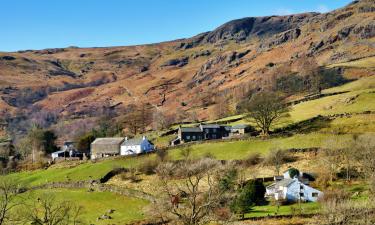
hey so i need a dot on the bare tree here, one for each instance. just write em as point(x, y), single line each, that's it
point(47, 210)
point(276, 158)
point(264, 109)
point(9, 198)
point(193, 197)
point(365, 150)
point(340, 209)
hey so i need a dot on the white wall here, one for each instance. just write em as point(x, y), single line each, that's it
point(145, 146)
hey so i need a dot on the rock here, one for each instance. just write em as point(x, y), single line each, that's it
point(245, 28)
point(284, 37)
point(242, 54)
point(7, 58)
point(176, 62)
point(366, 9)
point(143, 69)
point(110, 211)
point(105, 217)
point(200, 54)
point(365, 31)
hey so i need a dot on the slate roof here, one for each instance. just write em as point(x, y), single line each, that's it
point(210, 126)
point(191, 129)
point(134, 141)
point(284, 182)
point(108, 141)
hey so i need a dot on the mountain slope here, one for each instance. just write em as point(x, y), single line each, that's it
point(188, 75)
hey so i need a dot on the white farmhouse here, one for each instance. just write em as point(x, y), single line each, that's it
point(293, 190)
point(136, 146)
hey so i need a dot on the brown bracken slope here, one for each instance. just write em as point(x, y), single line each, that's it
point(180, 75)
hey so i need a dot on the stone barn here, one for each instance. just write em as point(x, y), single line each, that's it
point(105, 147)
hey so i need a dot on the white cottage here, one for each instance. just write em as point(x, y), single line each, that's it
point(292, 190)
point(136, 146)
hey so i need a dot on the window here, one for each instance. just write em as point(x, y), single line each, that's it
point(214, 130)
point(187, 137)
point(194, 137)
point(301, 194)
point(315, 194)
point(214, 136)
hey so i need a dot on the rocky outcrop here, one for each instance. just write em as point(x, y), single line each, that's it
point(176, 62)
point(246, 28)
point(365, 31)
point(284, 37)
point(7, 58)
point(201, 54)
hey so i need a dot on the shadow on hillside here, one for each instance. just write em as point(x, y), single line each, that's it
point(306, 126)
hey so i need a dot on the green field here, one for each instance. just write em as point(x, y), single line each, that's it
point(96, 204)
point(220, 150)
point(360, 98)
point(361, 63)
point(271, 210)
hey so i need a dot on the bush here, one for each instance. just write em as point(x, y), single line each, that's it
point(148, 167)
point(252, 160)
point(293, 172)
point(229, 180)
point(162, 155)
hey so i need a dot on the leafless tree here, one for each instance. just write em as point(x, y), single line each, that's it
point(338, 209)
point(276, 158)
point(264, 109)
point(193, 197)
point(365, 150)
point(9, 198)
point(47, 210)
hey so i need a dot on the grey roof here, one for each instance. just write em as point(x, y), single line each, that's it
point(134, 141)
point(284, 182)
point(108, 141)
point(227, 128)
point(190, 129)
point(240, 126)
point(210, 126)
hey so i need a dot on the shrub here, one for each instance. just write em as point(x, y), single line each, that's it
point(252, 160)
point(162, 155)
point(229, 180)
point(148, 167)
point(293, 172)
point(252, 194)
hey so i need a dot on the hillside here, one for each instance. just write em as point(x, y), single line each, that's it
point(337, 124)
point(188, 75)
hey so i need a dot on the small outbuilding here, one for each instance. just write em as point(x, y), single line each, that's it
point(136, 146)
point(240, 129)
point(105, 147)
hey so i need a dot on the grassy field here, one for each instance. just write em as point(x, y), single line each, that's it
point(361, 63)
point(271, 210)
point(98, 203)
point(220, 150)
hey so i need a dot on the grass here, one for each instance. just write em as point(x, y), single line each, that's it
point(84, 171)
point(231, 150)
point(361, 84)
point(361, 63)
point(262, 211)
point(241, 149)
point(96, 204)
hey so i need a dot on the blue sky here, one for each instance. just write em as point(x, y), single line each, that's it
point(38, 24)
